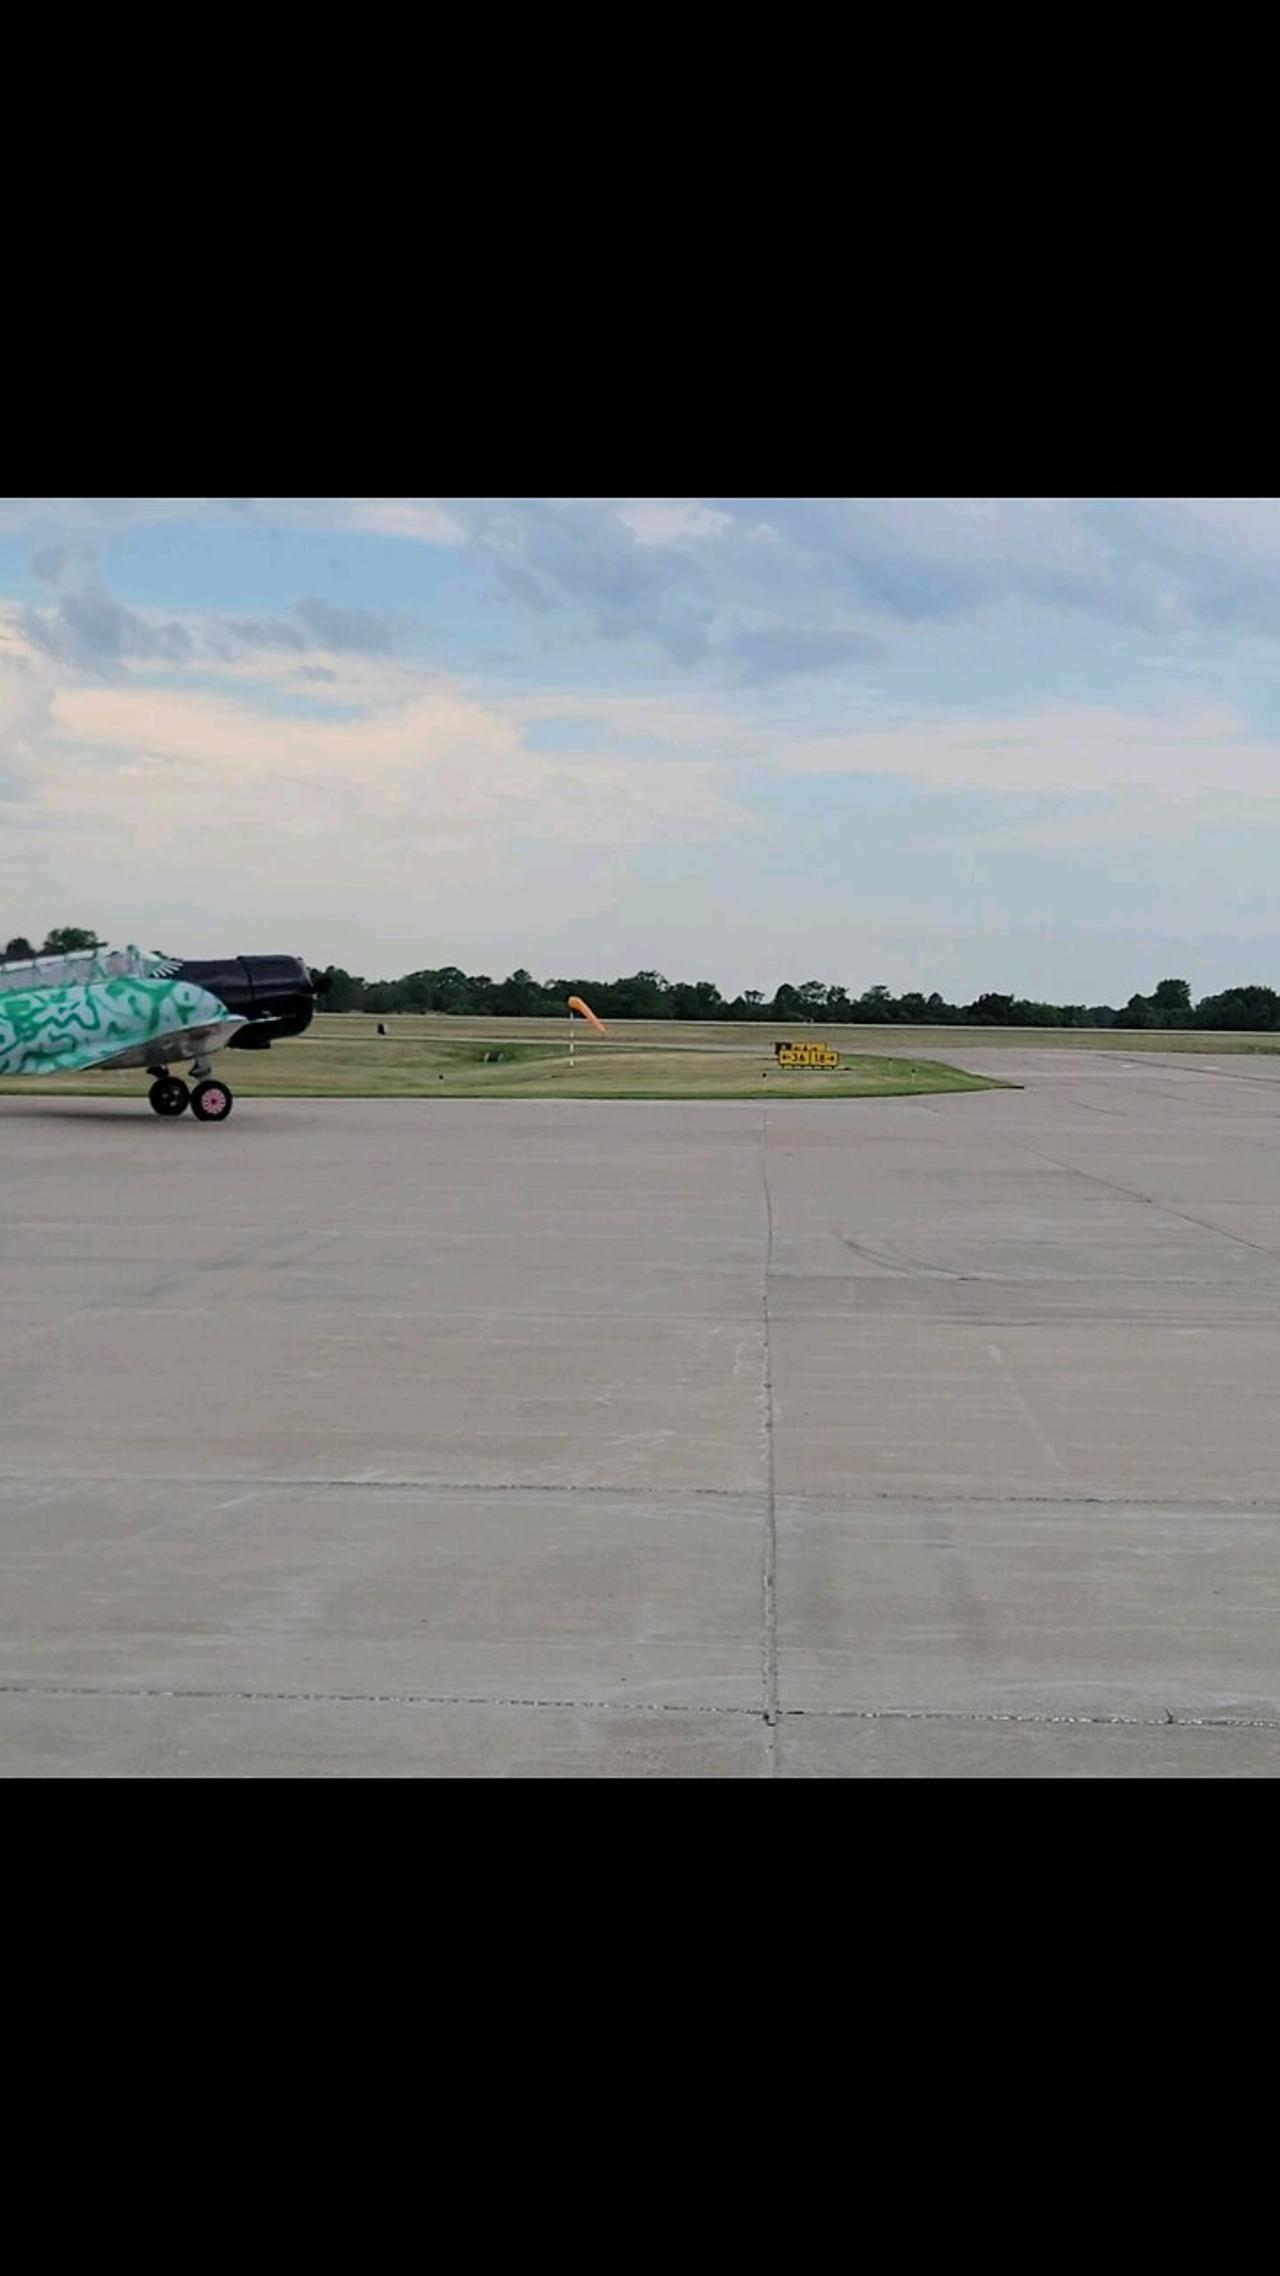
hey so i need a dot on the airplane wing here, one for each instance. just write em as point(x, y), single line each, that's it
point(164, 1050)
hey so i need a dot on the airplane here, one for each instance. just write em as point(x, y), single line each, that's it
point(109, 1008)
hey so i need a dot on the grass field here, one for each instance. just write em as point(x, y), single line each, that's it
point(343, 1056)
point(332, 1061)
point(729, 1035)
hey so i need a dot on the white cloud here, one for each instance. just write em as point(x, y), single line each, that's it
point(185, 810)
point(421, 519)
point(1067, 750)
point(695, 720)
point(95, 513)
point(657, 521)
point(428, 773)
point(307, 760)
point(418, 518)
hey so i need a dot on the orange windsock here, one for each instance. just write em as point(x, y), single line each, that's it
point(576, 1005)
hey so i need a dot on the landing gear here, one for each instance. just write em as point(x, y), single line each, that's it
point(211, 1101)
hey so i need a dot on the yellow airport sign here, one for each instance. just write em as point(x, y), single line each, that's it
point(805, 1055)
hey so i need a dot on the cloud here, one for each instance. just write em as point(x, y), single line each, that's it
point(26, 712)
point(121, 779)
point(574, 557)
point(96, 513)
point(654, 521)
point(90, 629)
point(628, 574)
point(423, 520)
point(777, 651)
point(359, 629)
point(384, 817)
point(678, 570)
point(670, 665)
point(664, 722)
point(54, 562)
point(693, 578)
point(882, 566)
point(1067, 750)
point(1120, 824)
point(270, 632)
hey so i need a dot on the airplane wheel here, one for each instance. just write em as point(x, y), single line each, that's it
point(169, 1095)
point(211, 1101)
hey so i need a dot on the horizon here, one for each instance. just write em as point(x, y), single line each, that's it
point(24, 946)
point(963, 746)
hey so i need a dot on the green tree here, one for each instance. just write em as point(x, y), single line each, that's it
point(1137, 1013)
point(696, 999)
point(875, 1004)
point(69, 940)
point(449, 989)
point(991, 1010)
point(518, 997)
point(18, 948)
point(1172, 996)
point(1244, 1009)
point(1171, 1003)
point(344, 992)
point(644, 995)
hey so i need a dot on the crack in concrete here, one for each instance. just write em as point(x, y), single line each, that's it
point(1149, 1200)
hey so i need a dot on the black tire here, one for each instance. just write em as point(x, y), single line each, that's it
point(169, 1095)
point(211, 1101)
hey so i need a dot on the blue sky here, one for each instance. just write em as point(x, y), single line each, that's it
point(963, 743)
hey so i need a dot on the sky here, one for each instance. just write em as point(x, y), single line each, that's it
point(1028, 744)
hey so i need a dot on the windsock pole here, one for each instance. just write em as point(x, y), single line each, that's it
point(576, 1005)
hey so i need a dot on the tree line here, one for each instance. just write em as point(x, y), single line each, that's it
point(648, 995)
point(64, 940)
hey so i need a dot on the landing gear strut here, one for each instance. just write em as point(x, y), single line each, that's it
point(211, 1100)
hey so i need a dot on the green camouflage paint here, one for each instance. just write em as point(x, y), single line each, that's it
point(52, 1030)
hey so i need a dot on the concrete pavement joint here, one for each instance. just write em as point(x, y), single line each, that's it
point(1165, 1720)
point(769, 1578)
point(274, 1483)
point(916, 1531)
point(367, 1699)
point(915, 1497)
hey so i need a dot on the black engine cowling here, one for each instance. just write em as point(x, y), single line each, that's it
point(275, 994)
